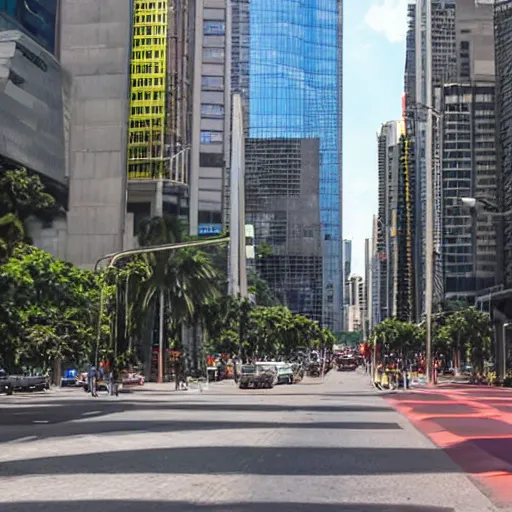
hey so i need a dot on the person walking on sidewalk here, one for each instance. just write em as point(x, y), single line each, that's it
point(92, 378)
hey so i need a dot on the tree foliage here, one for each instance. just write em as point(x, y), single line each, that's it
point(468, 331)
point(397, 337)
point(53, 311)
point(48, 310)
point(22, 195)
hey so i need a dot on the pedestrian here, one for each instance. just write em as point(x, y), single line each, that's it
point(177, 373)
point(92, 378)
point(113, 379)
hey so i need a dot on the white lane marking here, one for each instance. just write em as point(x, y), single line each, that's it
point(41, 421)
point(90, 413)
point(22, 440)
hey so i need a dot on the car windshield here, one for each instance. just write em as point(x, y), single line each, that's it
point(248, 369)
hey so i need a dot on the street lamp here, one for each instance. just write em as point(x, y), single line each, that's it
point(468, 202)
point(429, 214)
point(115, 257)
point(482, 204)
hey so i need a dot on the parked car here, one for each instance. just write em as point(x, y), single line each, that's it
point(253, 376)
point(346, 363)
point(5, 384)
point(283, 371)
point(29, 382)
point(69, 378)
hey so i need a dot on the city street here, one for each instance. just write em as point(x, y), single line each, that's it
point(319, 446)
point(473, 425)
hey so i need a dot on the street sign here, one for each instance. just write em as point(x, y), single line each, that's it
point(210, 229)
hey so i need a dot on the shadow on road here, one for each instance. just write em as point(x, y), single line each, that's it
point(120, 427)
point(297, 461)
point(59, 412)
point(167, 506)
point(483, 455)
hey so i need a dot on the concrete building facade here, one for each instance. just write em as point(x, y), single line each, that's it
point(388, 141)
point(468, 155)
point(356, 303)
point(95, 47)
point(211, 115)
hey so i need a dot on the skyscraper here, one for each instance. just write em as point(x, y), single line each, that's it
point(347, 257)
point(95, 47)
point(294, 92)
point(347, 270)
point(467, 111)
point(33, 92)
point(389, 183)
point(503, 44)
point(444, 69)
point(128, 61)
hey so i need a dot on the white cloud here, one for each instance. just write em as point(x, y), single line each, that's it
point(389, 17)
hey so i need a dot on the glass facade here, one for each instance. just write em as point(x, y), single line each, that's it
point(37, 17)
point(503, 39)
point(295, 91)
point(33, 106)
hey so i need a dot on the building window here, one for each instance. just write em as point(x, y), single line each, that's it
point(212, 82)
point(210, 137)
point(211, 160)
point(210, 110)
point(213, 54)
point(214, 28)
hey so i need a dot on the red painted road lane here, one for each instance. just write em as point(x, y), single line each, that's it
point(473, 425)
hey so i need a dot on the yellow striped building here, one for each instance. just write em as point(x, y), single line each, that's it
point(146, 128)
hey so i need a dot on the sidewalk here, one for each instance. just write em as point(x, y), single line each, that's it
point(473, 424)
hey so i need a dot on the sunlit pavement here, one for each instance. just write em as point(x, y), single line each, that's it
point(473, 424)
point(322, 446)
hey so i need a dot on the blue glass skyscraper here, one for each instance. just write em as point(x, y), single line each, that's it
point(295, 92)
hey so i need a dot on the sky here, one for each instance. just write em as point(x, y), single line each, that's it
point(373, 69)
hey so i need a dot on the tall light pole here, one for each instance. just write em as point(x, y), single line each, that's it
point(429, 189)
point(237, 251)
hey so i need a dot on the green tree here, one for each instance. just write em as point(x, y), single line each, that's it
point(22, 195)
point(261, 290)
point(468, 331)
point(183, 281)
point(48, 309)
point(396, 337)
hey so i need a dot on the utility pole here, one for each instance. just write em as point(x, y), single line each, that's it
point(429, 220)
point(237, 263)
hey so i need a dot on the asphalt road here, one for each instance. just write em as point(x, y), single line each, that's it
point(319, 446)
point(473, 424)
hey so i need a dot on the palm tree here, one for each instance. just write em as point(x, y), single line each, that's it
point(180, 281)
